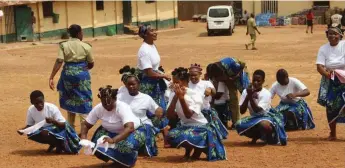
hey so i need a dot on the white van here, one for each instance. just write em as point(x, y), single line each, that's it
point(220, 18)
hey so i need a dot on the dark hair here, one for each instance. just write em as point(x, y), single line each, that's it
point(181, 73)
point(128, 72)
point(282, 73)
point(213, 70)
point(73, 30)
point(36, 94)
point(252, 15)
point(107, 93)
point(260, 73)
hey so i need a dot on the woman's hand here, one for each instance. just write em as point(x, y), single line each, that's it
point(180, 92)
point(166, 77)
point(109, 140)
point(208, 92)
point(51, 84)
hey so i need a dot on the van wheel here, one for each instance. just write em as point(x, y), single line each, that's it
point(209, 33)
point(230, 31)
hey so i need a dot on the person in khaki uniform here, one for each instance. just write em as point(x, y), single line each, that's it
point(251, 30)
point(74, 85)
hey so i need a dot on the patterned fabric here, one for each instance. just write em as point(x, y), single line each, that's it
point(275, 118)
point(199, 137)
point(213, 119)
point(156, 89)
point(75, 88)
point(232, 67)
point(330, 96)
point(126, 151)
point(68, 137)
point(301, 111)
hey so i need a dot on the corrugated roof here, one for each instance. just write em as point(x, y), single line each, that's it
point(17, 2)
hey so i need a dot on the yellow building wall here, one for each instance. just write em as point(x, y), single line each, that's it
point(289, 7)
point(107, 16)
point(146, 11)
point(248, 6)
point(340, 4)
point(119, 13)
point(80, 12)
point(46, 23)
point(165, 10)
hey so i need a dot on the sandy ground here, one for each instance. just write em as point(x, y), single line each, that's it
point(25, 68)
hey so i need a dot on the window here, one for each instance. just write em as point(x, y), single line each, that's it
point(47, 8)
point(218, 13)
point(269, 6)
point(99, 5)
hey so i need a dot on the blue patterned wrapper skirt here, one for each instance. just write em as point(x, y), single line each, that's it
point(74, 88)
point(126, 151)
point(67, 136)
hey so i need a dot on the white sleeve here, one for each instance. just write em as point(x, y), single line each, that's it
point(126, 113)
point(57, 115)
point(221, 87)
point(209, 84)
point(265, 101)
point(144, 60)
point(29, 119)
point(273, 90)
point(243, 97)
point(153, 106)
point(92, 117)
point(299, 85)
point(321, 58)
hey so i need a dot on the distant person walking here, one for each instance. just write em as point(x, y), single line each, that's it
point(310, 17)
point(251, 30)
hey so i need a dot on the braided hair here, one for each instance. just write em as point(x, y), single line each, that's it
point(195, 66)
point(181, 74)
point(128, 72)
point(213, 70)
point(107, 93)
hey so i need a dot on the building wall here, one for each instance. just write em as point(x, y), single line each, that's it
point(160, 14)
point(340, 4)
point(289, 7)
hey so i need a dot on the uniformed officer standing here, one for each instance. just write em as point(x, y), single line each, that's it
point(74, 85)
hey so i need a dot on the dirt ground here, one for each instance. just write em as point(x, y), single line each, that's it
point(25, 68)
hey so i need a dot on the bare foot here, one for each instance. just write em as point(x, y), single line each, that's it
point(50, 149)
point(332, 138)
point(254, 48)
point(253, 142)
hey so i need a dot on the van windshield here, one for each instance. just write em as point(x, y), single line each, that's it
point(220, 12)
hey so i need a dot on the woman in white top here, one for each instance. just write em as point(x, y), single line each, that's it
point(120, 125)
point(194, 133)
point(207, 90)
point(56, 131)
point(151, 78)
point(143, 106)
point(264, 122)
point(291, 91)
point(331, 57)
point(221, 102)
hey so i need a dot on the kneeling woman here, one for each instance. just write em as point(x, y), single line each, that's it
point(263, 123)
point(120, 124)
point(56, 131)
point(296, 112)
point(194, 131)
point(142, 105)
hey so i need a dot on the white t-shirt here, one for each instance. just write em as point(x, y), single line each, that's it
point(332, 57)
point(139, 104)
point(293, 86)
point(222, 88)
point(114, 120)
point(148, 57)
point(194, 102)
point(122, 89)
point(49, 110)
point(263, 100)
point(336, 18)
point(201, 87)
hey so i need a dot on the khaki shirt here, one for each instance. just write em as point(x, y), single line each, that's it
point(250, 26)
point(75, 50)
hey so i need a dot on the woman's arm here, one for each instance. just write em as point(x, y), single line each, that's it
point(129, 128)
point(85, 127)
point(244, 105)
point(171, 109)
point(323, 71)
point(152, 74)
point(56, 123)
point(56, 68)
